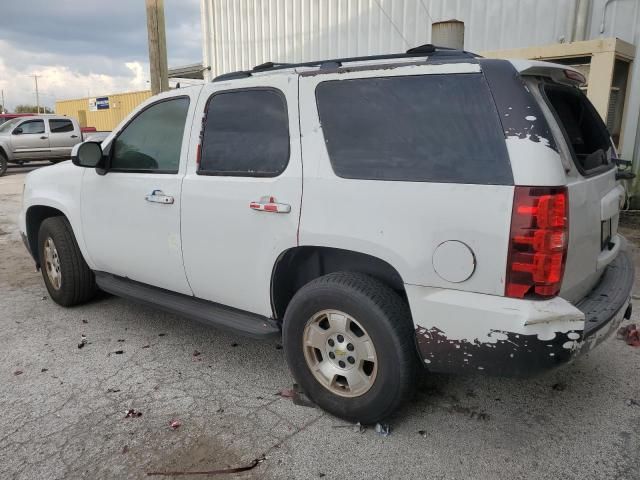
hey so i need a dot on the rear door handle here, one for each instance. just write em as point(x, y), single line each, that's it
point(158, 196)
point(74, 136)
point(269, 204)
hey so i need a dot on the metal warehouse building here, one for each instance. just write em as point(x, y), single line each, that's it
point(600, 37)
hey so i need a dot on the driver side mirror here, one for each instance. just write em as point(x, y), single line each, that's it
point(18, 131)
point(87, 154)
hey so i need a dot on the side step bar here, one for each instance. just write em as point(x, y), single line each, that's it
point(203, 311)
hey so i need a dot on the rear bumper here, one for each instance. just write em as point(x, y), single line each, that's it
point(459, 332)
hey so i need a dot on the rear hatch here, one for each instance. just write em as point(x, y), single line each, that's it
point(594, 194)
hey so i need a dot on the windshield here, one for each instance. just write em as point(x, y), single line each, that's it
point(8, 125)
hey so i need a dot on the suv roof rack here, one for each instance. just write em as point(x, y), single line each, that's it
point(419, 51)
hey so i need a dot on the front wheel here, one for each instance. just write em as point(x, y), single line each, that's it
point(66, 275)
point(348, 340)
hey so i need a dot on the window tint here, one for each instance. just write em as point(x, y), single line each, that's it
point(246, 133)
point(60, 126)
point(583, 128)
point(153, 139)
point(428, 128)
point(32, 126)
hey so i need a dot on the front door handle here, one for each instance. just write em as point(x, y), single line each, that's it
point(269, 204)
point(158, 196)
point(43, 138)
point(74, 136)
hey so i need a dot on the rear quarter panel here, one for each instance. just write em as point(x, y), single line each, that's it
point(397, 221)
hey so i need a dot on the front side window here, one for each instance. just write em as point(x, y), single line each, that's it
point(152, 141)
point(246, 133)
point(423, 128)
point(60, 126)
point(32, 126)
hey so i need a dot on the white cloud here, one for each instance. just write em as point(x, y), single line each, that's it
point(58, 81)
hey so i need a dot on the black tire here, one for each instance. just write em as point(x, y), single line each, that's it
point(387, 320)
point(3, 164)
point(78, 284)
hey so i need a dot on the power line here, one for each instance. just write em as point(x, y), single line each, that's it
point(392, 23)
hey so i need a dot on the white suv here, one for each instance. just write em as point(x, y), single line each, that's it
point(430, 208)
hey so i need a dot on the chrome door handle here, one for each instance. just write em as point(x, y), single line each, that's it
point(269, 204)
point(158, 196)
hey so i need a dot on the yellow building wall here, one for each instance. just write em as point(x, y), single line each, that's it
point(120, 105)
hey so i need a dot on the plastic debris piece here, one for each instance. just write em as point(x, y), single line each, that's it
point(422, 433)
point(132, 413)
point(630, 334)
point(85, 321)
point(119, 352)
point(83, 341)
point(18, 372)
point(113, 390)
point(383, 429)
point(121, 340)
point(175, 424)
point(44, 370)
point(146, 346)
point(359, 428)
point(287, 393)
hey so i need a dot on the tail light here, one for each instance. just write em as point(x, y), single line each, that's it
point(538, 242)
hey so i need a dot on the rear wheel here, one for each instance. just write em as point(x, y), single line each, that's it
point(66, 275)
point(349, 343)
point(3, 164)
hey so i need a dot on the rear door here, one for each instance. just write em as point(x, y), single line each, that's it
point(595, 196)
point(30, 140)
point(62, 137)
point(241, 201)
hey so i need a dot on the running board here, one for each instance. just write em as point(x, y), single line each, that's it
point(203, 311)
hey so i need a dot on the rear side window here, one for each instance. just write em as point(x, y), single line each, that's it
point(428, 128)
point(60, 126)
point(245, 133)
point(583, 129)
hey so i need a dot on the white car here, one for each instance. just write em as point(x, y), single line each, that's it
point(429, 210)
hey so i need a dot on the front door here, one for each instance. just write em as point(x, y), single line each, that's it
point(241, 202)
point(29, 140)
point(131, 215)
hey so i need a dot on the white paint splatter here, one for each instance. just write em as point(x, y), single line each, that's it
point(530, 118)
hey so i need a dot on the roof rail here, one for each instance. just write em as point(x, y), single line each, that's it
point(419, 51)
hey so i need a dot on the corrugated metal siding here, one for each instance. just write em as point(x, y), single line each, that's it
point(245, 33)
point(120, 105)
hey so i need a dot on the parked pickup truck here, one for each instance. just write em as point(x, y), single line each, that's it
point(40, 137)
point(454, 214)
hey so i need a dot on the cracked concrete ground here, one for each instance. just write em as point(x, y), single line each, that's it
point(63, 416)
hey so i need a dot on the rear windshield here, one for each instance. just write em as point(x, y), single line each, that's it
point(427, 128)
point(583, 129)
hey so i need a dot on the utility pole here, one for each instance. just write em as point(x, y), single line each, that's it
point(4, 108)
point(37, 94)
point(157, 46)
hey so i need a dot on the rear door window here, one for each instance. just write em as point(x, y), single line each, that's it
point(245, 134)
point(60, 126)
point(427, 128)
point(583, 129)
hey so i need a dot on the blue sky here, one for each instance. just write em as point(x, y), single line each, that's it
point(89, 47)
